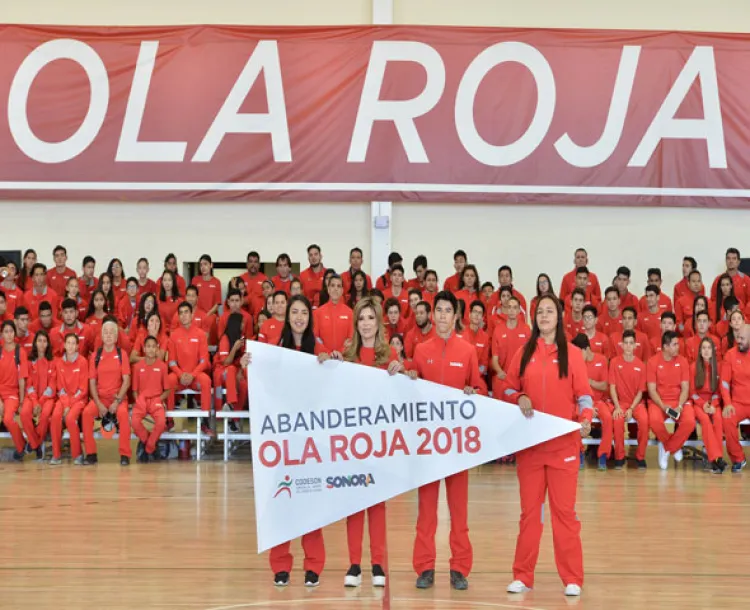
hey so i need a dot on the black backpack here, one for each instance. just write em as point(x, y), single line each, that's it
point(99, 356)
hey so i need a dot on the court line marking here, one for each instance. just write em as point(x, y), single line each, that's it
point(308, 601)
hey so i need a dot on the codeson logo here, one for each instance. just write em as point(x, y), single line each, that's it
point(284, 487)
point(300, 486)
point(354, 480)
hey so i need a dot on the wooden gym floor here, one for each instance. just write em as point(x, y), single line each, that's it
point(181, 535)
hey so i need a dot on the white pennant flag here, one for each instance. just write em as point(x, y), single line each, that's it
point(332, 439)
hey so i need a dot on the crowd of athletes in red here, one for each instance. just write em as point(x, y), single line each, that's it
point(81, 348)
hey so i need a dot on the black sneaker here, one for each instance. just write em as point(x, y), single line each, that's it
point(311, 579)
point(619, 464)
point(124, 461)
point(234, 427)
point(18, 456)
point(458, 581)
point(353, 577)
point(155, 456)
point(27, 449)
point(91, 459)
point(281, 579)
point(39, 453)
point(642, 465)
point(426, 579)
point(737, 467)
point(718, 466)
point(143, 458)
point(378, 576)
point(140, 451)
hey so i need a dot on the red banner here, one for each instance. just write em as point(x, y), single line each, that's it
point(375, 113)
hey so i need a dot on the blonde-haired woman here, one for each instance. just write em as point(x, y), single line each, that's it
point(369, 346)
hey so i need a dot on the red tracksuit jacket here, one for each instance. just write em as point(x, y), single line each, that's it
point(41, 382)
point(333, 326)
point(452, 362)
point(569, 397)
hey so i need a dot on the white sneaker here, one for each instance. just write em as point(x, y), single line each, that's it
point(663, 457)
point(352, 581)
point(678, 455)
point(573, 591)
point(517, 587)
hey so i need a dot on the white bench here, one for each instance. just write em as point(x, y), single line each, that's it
point(228, 437)
point(653, 442)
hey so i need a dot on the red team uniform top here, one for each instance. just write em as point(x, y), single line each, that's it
point(703, 395)
point(333, 326)
point(42, 382)
point(57, 280)
point(150, 380)
point(451, 362)
point(367, 357)
point(32, 300)
point(108, 375)
point(569, 397)
point(312, 284)
point(628, 378)
point(668, 376)
point(735, 378)
point(209, 292)
point(415, 337)
point(270, 332)
point(73, 378)
point(569, 283)
point(598, 371)
point(188, 351)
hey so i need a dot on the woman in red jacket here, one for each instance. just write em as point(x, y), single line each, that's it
point(706, 396)
point(370, 347)
point(549, 375)
point(72, 397)
point(39, 401)
point(298, 334)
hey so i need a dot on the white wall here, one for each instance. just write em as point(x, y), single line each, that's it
point(529, 238)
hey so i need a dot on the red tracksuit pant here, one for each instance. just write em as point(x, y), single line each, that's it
point(355, 531)
point(604, 412)
point(155, 408)
point(201, 382)
point(226, 377)
point(554, 473)
point(281, 559)
point(640, 415)
point(462, 555)
point(731, 432)
point(712, 432)
point(672, 442)
point(11, 402)
point(91, 413)
point(72, 418)
point(36, 434)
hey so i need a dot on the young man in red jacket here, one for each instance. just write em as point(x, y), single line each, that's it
point(150, 389)
point(189, 362)
point(333, 321)
point(627, 384)
point(580, 259)
point(59, 275)
point(450, 361)
point(422, 331)
point(312, 277)
point(668, 381)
